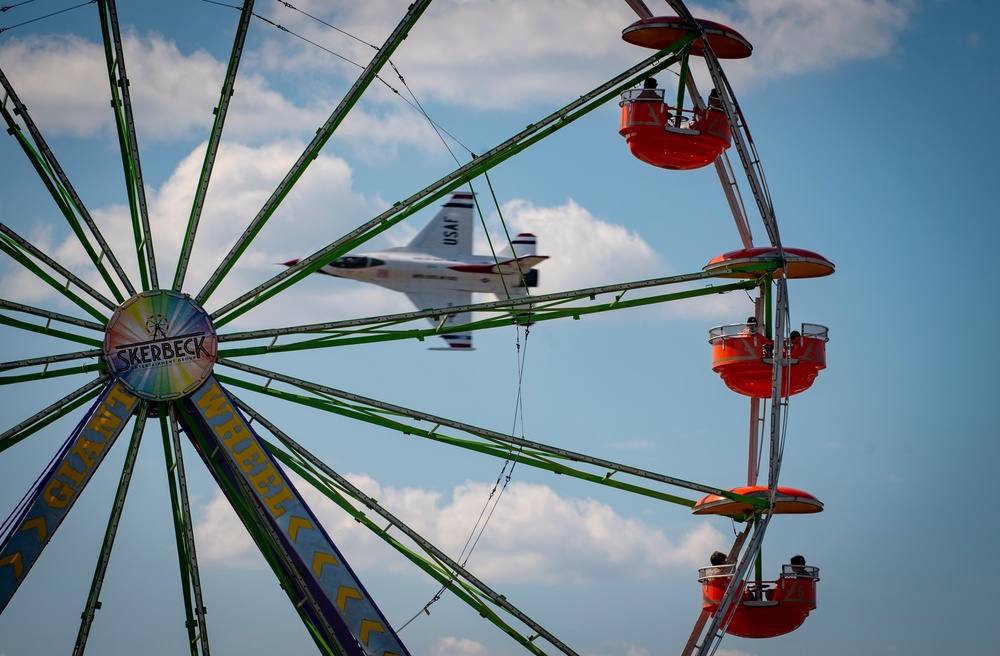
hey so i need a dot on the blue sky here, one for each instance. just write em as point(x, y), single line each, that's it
point(874, 124)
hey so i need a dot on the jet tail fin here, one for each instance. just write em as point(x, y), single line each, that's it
point(522, 245)
point(450, 231)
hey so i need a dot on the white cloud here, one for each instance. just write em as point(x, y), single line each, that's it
point(792, 37)
point(584, 250)
point(563, 48)
point(589, 251)
point(622, 649)
point(534, 535)
point(449, 646)
point(376, 135)
point(448, 57)
point(221, 538)
point(733, 652)
point(36, 64)
point(173, 94)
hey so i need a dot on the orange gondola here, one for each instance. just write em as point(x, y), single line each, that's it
point(655, 134)
point(799, 262)
point(763, 609)
point(658, 32)
point(744, 358)
point(788, 501)
point(674, 137)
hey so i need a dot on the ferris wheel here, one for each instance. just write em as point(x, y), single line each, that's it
point(135, 356)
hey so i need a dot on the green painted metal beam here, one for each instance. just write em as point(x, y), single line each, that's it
point(97, 583)
point(121, 102)
point(312, 151)
point(61, 189)
point(21, 258)
point(54, 373)
point(544, 308)
point(482, 433)
point(46, 330)
point(52, 413)
point(212, 148)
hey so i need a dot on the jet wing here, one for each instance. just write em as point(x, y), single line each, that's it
point(444, 299)
point(509, 267)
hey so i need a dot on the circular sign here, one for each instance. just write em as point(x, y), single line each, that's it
point(160, 345)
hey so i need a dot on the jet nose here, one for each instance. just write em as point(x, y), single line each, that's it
point(290, 263)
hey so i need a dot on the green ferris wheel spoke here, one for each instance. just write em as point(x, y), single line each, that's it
point(381, 406)
point(50, 315)
point(315, 146)
point(54, 373)
point(184, 533)
point(538, 459)
point(478, 166)
point(121, 101)
point(25, 245)
point(543, 307)
point(55, 180)
point(47, 330)
point(453, 566)
point(50, 359)
point(60, 408)
point(60, 287)
point(93, 599)
point(213, 144)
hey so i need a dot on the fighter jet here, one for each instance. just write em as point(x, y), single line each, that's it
point(438, 270)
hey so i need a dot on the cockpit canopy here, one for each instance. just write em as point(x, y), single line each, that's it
point(355, 262)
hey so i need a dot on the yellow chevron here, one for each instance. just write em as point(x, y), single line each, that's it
point(321, 559)
point(15, 560)
point(345, 593)
point(295, 523)
point(37, 523)
point(367, 626)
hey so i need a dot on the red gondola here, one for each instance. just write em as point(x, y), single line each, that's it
point(763, 609)
point(655, 134)
point(658, 32)
point(672, 137)
point(799, 262)
point(788, 501)
point(744, 359)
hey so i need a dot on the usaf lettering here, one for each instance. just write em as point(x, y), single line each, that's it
point(450, 231)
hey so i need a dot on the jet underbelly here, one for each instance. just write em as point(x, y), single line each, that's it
point(426, 274)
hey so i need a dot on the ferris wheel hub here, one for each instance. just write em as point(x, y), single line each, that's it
point(160, 345)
